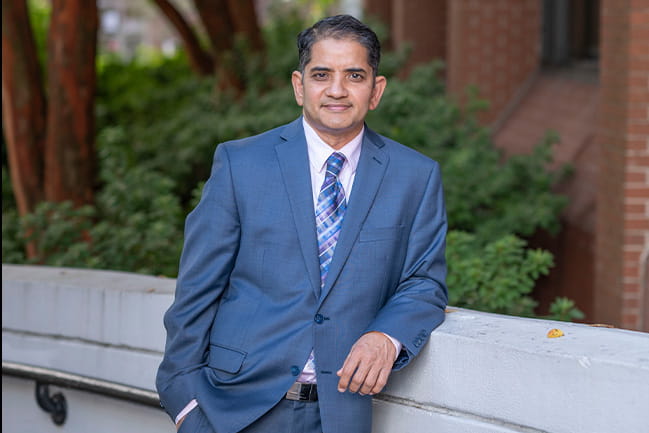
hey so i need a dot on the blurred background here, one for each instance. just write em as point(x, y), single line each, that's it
point(537, 110)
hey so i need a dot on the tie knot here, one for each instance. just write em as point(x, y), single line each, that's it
point(335, 163)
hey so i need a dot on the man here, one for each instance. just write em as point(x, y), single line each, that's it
point(313, 264)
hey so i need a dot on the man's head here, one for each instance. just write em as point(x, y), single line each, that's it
point(339, 27)
point(337, 82)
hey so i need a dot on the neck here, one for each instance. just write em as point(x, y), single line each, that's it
point(338, 139)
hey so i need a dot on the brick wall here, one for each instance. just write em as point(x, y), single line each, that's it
point(422, 24)
point(419, 23)
point(494, 44)
point(623, 185)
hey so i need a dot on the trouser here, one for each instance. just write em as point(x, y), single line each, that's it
point(287, 416)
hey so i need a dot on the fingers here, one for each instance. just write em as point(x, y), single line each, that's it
point(347, 371)
point(369, 382)
point(368, 365)
point(381, 381)
point(358, 379)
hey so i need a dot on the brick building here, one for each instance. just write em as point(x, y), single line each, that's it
point(580, 68)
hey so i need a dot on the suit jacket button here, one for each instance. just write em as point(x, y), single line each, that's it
point(319, 318)
point(295, 370)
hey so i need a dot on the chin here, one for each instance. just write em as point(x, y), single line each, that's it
point(339, 125)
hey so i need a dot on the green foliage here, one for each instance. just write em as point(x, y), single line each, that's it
point(13, 246)
point(497, 277)
point(564, 309)
point(158, 126)
point(39, 17)
point(170, 121)
point(139, 229)
point(141, 225)
point(279, 36)
point(57, 232)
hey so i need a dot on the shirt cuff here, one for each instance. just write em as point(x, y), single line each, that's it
point(397, 345)
point(191, 405)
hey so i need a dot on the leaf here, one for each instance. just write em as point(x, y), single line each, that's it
point(555, 333)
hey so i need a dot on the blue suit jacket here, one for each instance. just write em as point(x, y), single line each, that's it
point(249, 309)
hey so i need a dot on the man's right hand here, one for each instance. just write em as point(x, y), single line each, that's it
point(368, 364)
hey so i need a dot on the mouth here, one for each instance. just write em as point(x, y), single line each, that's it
point(336, 107)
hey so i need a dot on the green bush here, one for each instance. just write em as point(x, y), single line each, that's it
point(496, 277)
point(13, 244)
point(58, 232)
point(135, 226)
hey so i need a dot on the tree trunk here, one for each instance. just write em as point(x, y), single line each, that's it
point(23, 105)
point(201, 61)
point(215, 16)
point(244, 19)
point(217, 22)
point(71, 83)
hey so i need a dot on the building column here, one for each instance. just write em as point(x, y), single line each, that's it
point(622, 236)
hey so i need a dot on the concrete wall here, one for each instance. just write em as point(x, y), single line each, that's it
point(479, 372)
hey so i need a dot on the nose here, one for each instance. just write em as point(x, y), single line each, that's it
point(337, 88)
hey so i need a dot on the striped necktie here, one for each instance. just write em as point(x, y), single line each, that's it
point(330, 210)
point(329, 213)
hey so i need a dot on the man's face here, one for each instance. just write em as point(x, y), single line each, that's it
point(337, 89)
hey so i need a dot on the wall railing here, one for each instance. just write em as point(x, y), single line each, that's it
point(479, 372)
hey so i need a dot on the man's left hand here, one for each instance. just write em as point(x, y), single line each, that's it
point(368, 365)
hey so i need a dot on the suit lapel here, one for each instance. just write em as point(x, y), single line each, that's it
point(369, 175)
point(294, 163)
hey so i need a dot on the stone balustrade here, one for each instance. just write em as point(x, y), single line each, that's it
point(479, 373)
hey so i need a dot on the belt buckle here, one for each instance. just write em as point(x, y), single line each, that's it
point(302, 392)
point(294, 392)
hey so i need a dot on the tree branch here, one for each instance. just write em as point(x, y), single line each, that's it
point(200, 60)
point(23, 105)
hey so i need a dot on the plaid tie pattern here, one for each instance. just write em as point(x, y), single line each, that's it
point(329, 213)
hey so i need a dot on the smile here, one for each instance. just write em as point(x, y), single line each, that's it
point(336, 107)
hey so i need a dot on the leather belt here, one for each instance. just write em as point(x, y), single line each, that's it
point(303, 392)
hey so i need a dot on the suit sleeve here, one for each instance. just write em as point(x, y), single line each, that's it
point(418, 304)
point(211, 244)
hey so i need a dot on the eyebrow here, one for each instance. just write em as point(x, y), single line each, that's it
point(325, 69)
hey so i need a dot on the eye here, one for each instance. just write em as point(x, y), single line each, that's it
point(355, 76)
point(320, 76)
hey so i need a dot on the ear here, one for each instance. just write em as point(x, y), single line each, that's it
point(298, 88)
point(377, 92)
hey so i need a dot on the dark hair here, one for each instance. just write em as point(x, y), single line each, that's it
point(339, 27)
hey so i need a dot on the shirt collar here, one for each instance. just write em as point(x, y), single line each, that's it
point(319, 151)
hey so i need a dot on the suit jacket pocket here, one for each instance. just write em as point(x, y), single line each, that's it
point(225, 358)
point(380, 234)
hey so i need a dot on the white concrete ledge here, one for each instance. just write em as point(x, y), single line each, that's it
point(479, 372)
